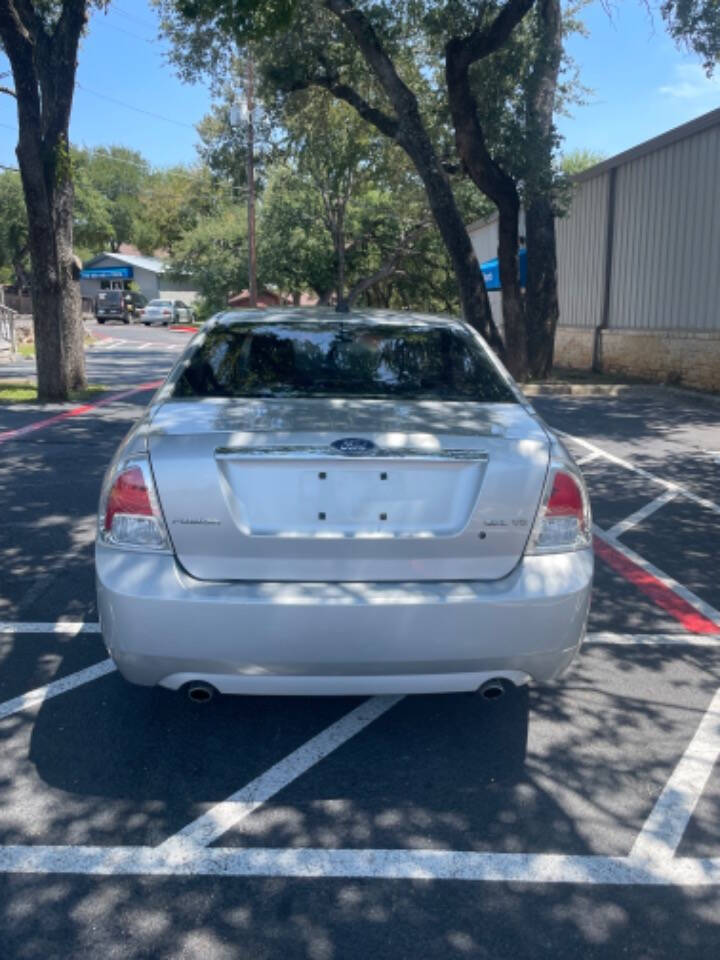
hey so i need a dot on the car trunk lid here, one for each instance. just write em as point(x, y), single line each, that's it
point(340, 490)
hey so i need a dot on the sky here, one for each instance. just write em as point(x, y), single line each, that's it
point(639, 84)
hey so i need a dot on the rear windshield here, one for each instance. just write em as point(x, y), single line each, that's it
point(160, 303)
point(111, 296)
point(332, 359)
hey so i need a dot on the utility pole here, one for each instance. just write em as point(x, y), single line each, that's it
point(252, 260)
point(240, 115)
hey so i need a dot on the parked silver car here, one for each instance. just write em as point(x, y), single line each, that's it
point(324, 504)
point(167, 311)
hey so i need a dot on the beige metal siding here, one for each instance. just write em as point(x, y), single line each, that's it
point(666, 246)
point(581, 238)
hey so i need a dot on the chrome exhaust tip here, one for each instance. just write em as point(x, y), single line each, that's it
point(200, 692)
point(493, 689)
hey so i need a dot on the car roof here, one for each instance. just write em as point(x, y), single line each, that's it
point(331, 316)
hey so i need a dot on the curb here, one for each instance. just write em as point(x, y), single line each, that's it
point(627, 390)
point(575, 389)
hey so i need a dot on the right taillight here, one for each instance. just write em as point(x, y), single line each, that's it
point(563, 522)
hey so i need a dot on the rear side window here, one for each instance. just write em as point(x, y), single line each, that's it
point(333, 359)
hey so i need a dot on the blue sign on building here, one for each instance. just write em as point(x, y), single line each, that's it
point(491, 271)
point(105, 273)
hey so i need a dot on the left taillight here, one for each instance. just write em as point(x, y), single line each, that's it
point(563, 522)
point(129, 513)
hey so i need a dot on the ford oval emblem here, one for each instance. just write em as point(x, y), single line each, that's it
point(354, 446)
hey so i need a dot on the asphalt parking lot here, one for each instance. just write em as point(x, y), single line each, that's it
point(580, 819)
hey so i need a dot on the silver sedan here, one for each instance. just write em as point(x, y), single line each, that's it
point(167, 311)
point(317, 503)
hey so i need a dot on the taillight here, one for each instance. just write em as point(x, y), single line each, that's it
point(166, 313)
point(563, 522)
point(129, 512)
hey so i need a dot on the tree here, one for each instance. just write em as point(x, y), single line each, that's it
point(214, 254)
point(295, 251)
point(375, 58)
point(41, 42)
point(695, 25)
point(575, 161)
point(93, 228)
point(334, 46)
point(172, 200)
point(118, 174)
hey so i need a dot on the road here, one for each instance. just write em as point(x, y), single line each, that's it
point(580, 819)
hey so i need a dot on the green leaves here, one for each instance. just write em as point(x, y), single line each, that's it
point(214, 254)
point(695, 24)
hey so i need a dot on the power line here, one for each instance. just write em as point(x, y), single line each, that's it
point(132, 16)
point(135, 36)
point(129, 106)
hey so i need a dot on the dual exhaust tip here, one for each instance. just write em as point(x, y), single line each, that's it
point(200, 692)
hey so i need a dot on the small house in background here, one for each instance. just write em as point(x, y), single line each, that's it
point(129, 271)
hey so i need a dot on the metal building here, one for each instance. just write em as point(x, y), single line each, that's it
point(639, 260)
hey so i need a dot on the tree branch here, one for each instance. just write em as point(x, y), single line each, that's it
point(486, 40)
point(8, 91)
point(386, 124)
point(355, 21)
point(386, 268)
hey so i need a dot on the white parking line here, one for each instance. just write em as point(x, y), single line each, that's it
point(642, 514)
point(144, 346)
point(539, 868)
point(668, 484)
point(38, 696)
point(62, 626)
point(654, 639)
point(664, 828)
point(220, 818)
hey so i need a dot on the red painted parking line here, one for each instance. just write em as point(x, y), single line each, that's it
point(655, 589)
point(76, 411)
point(179, 328)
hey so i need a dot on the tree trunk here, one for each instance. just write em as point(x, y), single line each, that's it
point(471, 286)
point(57, 314)
point(542, 308)
point(499, 186)
point(43, 57)
point(339, 239)
point(513, 305)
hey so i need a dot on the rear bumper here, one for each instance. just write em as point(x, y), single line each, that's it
point(163, 627)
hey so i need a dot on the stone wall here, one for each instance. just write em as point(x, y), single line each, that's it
point(687, 358)
point(574, 347)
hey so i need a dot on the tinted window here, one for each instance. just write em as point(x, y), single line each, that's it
point(332, 359)
point(160, 303)
point(110, 296)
